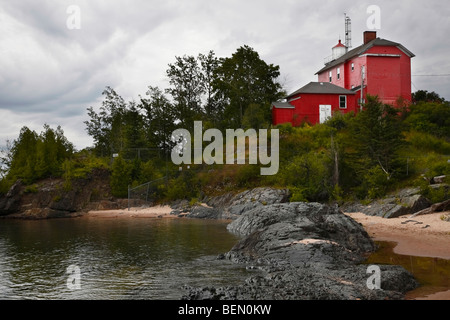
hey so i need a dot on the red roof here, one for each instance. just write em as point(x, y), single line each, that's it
point(339, 44)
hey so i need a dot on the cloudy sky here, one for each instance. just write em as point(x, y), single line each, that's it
point(51, 72)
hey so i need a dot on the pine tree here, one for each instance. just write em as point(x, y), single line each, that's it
point(372, 146)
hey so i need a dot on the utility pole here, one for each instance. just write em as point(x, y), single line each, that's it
point(362, 86)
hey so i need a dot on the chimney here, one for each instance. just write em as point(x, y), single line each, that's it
point(369, 36)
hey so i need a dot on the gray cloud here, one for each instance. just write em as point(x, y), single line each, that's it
point(50, 74)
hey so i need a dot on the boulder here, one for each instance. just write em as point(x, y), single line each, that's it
point(298, 232)
point(235, 205)
point(304, 251)
point(229, 205)
point(404, 202)
point(438, 180)
point(203, 212)
point(312, 282)
point(10, 203)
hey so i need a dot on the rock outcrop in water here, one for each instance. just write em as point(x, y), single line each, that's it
point(305, 251)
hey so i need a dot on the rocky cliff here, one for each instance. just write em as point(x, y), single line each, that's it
point(57, 198)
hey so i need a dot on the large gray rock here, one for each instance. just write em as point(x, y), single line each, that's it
point(304, 251)
point(250, 199)
point(202, 212)
point(312, 282)
point(298, 232)
point(405, 202)
point(231, 206)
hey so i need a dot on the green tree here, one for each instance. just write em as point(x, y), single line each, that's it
point(425, 96)
point(23, 156)
point(255, 117)
point(310, 175)
point(106, 126)
point(52, 149)
point(159, 119)
point(134, 131)
point(213, 104)
point(32, 156)
point(243, 79)
point(120, 177)
point(374, 140)
point(187, 88)
point(430, 117)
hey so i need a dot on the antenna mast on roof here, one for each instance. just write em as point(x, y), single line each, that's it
point(348, 31)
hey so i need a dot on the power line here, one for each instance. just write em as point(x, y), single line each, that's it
point(432, 75)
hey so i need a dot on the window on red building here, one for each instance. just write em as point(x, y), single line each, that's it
point(342, 102)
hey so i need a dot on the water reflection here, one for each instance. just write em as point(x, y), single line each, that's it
point(433, 274)
point(118, 258)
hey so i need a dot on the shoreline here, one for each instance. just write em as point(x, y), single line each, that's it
point(159, 211)
point(423, 236)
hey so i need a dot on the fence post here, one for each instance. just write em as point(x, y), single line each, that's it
point(407, 166)
point(128, 197)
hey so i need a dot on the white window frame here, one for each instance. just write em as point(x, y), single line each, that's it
point(338, 73)
point(331, 76)
point(345, 102)
point(353, 66)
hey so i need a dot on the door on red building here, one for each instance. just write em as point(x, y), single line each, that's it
point(324, 112)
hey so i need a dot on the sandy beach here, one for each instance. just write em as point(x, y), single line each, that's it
point(133, 212)
point(425, 235)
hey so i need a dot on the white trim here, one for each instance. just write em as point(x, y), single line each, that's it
point(299, 97)
point(280, 107)
point(381, 55)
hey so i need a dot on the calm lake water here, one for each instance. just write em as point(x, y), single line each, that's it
point(433, 274)
point(142, 259)
point(117, 258)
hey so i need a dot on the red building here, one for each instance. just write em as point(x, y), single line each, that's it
point(314, 103)
point(377, 67)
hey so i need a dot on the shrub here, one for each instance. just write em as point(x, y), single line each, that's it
point(298, 194)
point(120, 178)
point(436, 195)
point(34, 188)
